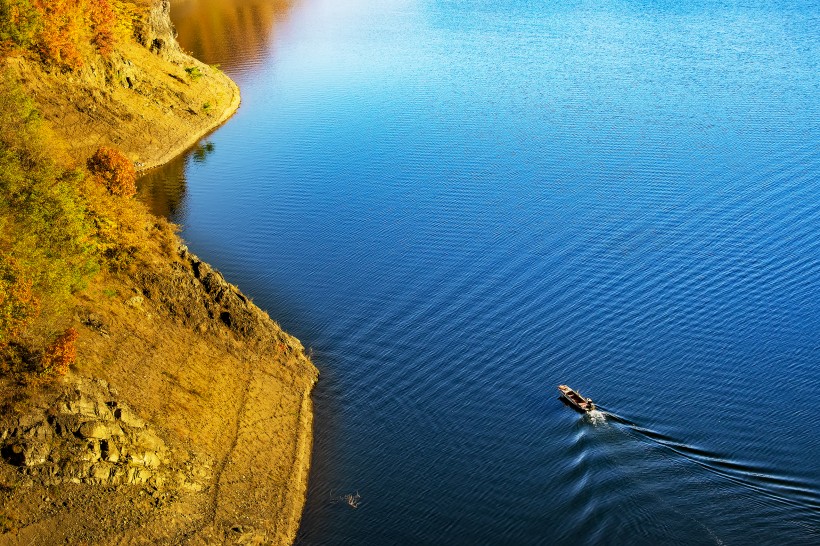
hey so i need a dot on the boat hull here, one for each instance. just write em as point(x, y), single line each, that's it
point(574, 399)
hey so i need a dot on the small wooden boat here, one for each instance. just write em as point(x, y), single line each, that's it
point(575, 400)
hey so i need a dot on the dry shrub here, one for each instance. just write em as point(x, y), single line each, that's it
point(114, 170)
point(18, 304)
point(61, 353)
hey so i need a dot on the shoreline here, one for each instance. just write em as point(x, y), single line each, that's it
point(288, 524)
point(289, 521)
point(225, 391)
point(195, 137)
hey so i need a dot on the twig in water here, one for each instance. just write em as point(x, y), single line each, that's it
point(353, 500)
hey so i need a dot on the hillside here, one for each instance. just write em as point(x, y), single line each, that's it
point(146, 97)
point(145, 399)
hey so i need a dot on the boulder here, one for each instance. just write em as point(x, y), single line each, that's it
point(129, 417)
point(138, 475)
point(148, 441)
point(96, 430)
point(89, 453)
point(67, 424)
point(109, 451)
point(100, 473)
point(82, 406)
point(148, 459)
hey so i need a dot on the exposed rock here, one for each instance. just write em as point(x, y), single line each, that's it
point(94, 322)
point(157, 33)
point(98, 430)
point(78, 439)
point(199, 298)
point(14, 454)
point(109, 451)
point(81, 406)
point(89, 452)
point(135, 301)
point(101, 472)
point(67, 423)
point(129, 418)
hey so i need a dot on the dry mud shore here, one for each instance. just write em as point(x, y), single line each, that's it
point(188, 416)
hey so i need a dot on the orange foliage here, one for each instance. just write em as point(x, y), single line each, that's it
point(18, 305)
point(114, 170)
point(61, 353)
point(68, 26)
point(103, 19)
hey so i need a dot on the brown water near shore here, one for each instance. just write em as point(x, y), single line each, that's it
point(227, 32)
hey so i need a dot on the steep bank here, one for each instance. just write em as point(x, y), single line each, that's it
point(187, 415)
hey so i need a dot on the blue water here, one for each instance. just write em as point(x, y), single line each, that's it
point(460, 205)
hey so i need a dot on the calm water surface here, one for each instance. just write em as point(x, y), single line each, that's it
point(460, 205)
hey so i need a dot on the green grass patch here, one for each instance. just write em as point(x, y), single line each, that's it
point(194, 72)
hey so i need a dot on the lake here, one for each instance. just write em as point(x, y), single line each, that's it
point(458, 206)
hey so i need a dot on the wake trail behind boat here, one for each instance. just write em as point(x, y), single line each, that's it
point(596, 417)
point(782, 489)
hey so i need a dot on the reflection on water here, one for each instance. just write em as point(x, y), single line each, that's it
point(201, 152)
point(163, 189)
point(231, 33)
point(234, 34)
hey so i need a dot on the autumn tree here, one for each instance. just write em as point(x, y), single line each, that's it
point(19, 24)
point(114, 170)
point(61, 353)
point(18, 304)
point(63, 32)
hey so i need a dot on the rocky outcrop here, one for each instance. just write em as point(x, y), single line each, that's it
point(84, 434)
point(156, 33)
point(197, 294)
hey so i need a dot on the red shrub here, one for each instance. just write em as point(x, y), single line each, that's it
point(114, 170)
point(61, 353)
point(103, 19)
